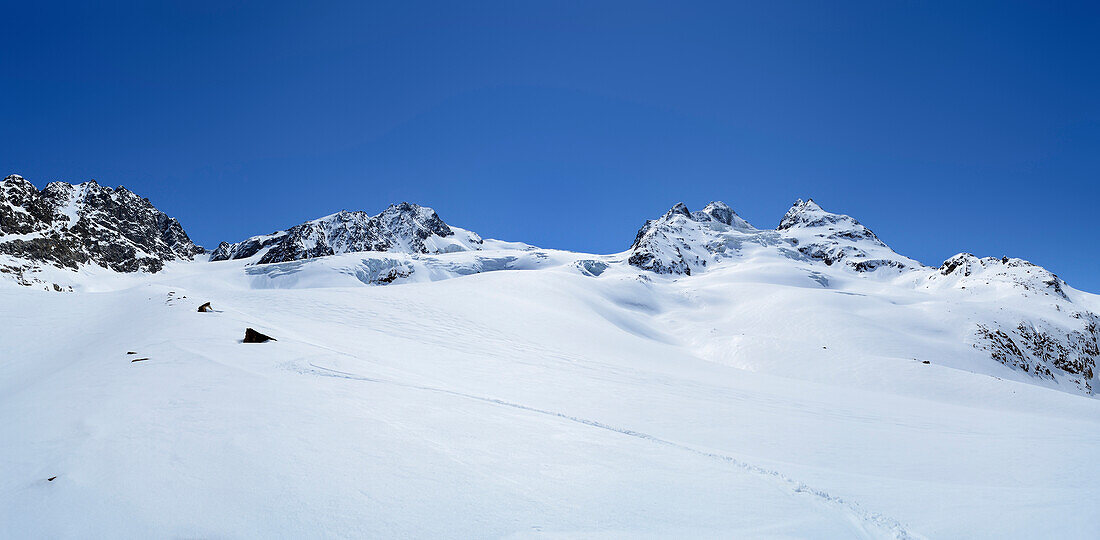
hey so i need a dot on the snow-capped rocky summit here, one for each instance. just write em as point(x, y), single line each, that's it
point(67, 225)
point(683, 242)
point(967, 269)
point(834, 238)
point(401, 228)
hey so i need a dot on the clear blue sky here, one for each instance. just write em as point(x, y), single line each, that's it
point(943, 126)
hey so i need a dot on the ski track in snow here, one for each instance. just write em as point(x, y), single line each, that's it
point(879, 525)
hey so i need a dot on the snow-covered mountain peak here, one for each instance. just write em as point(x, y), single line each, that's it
point(834, 238)
point(682, 241)
point(400, 228)
point(1018, 275)
point(722, 213)
point(808, 214)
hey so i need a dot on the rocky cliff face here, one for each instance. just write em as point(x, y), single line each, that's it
point(401, 228)
point(69, 225)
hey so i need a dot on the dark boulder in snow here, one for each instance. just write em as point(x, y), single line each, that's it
point(252, 336)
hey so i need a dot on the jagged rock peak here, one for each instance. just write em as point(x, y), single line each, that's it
point(806, 214)
point(400, 228)
point(715, 211)
point(67, 225)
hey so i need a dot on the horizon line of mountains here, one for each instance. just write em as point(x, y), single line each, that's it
point(67, 225)
point(1056, 336)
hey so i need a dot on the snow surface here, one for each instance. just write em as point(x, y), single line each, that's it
point(562, 395)
point(805, 382)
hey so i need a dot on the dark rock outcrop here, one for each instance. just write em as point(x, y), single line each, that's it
point(1047, 351)
point(252, 336)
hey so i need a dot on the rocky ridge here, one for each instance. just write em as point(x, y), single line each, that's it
point(401, 228)
point(67, 225)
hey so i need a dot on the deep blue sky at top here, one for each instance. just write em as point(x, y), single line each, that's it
point(943, 126)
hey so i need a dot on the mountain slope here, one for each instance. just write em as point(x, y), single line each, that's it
point(546, 402)
point(1019, 314)
point(714, 380)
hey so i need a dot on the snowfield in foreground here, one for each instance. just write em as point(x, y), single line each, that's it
point(715, 380)
point(747, 401)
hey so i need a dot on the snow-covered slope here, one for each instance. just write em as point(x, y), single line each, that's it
point(748, 401)
point(715, 380)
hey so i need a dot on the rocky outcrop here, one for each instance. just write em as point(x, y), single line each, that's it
point(69, 225)
point(252, 336)
point(401, 228)
point(1047, 350)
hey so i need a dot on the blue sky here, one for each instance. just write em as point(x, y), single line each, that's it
point(943, 126)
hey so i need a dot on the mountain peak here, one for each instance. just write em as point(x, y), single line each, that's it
point(807, 213)
point(682, 241)
point(401, 228)
point(67, 225)
point(677, 209)
point(831, 238)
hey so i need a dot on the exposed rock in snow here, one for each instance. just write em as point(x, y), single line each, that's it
point(252, 336)
point(1048, 350)
point(401, 228)
point(836, 238)
point(68, 225)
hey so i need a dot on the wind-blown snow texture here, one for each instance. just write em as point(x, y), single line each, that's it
point(715, 380)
